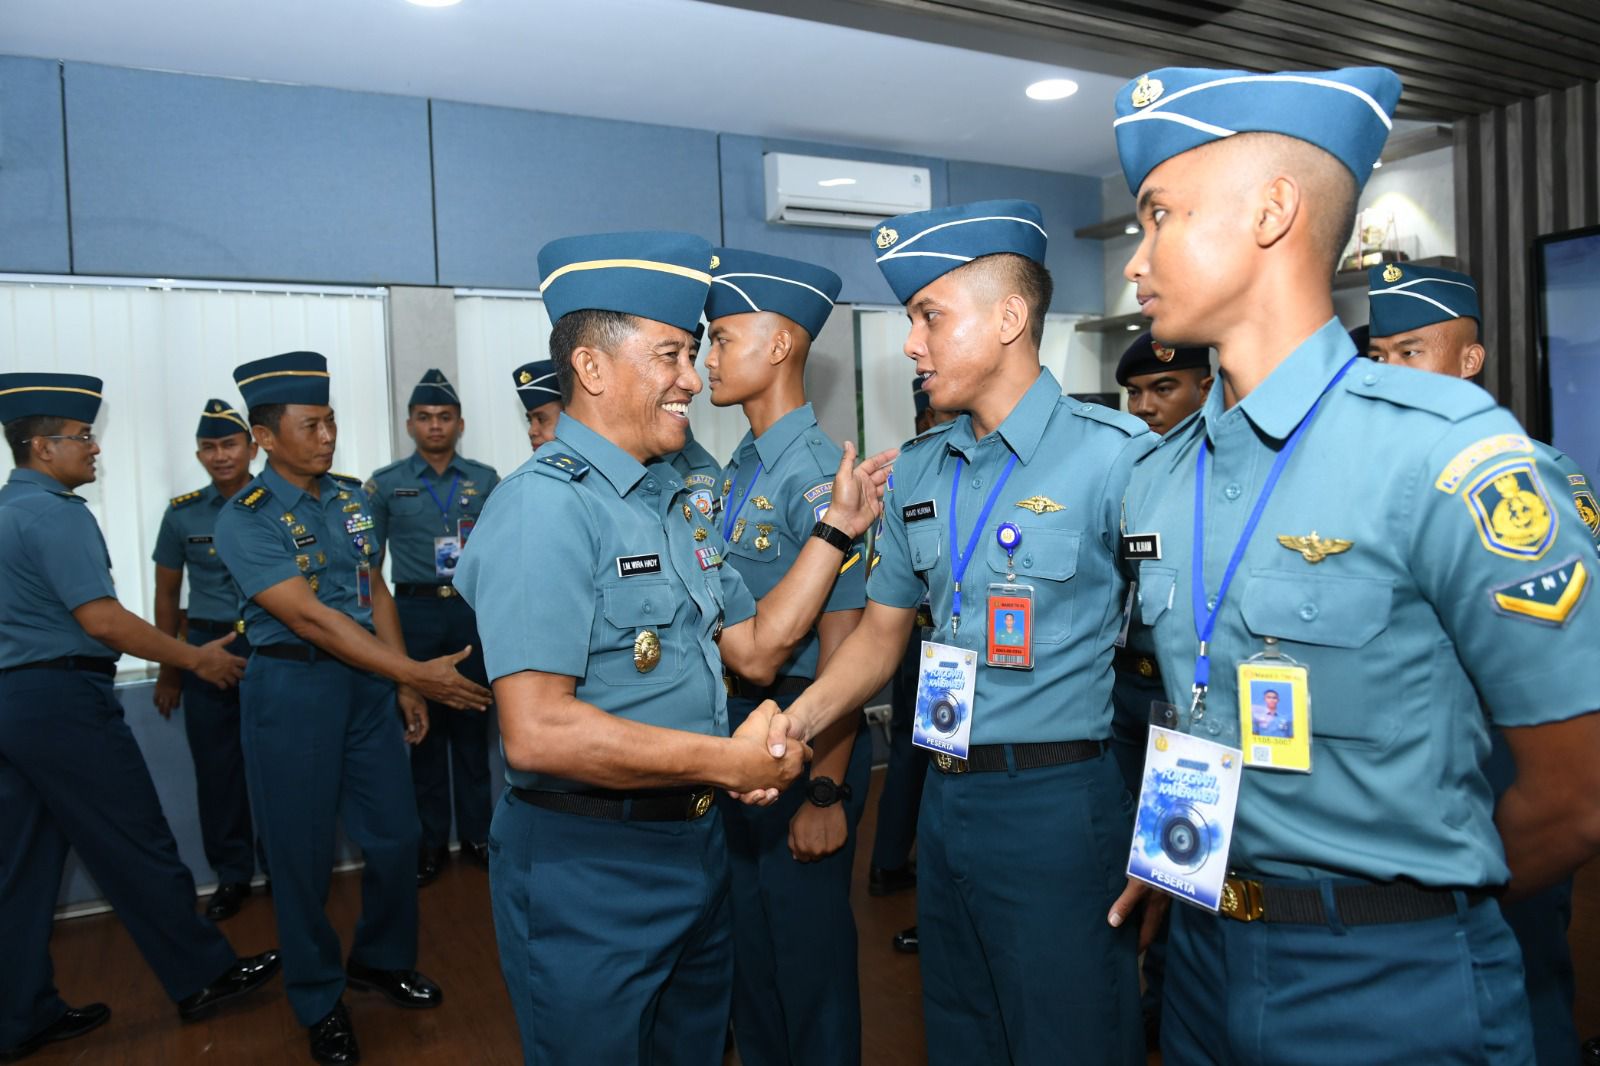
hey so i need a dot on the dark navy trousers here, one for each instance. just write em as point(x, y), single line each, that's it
point(323, 744)
point(796, 991)
point(613, 936)
point(1015, 874)
point(453, 759)
point(908, 765)
point(1131, 697)
point(71, 774)
point(211, 723)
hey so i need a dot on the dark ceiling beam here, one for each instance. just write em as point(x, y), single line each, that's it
point(1572, 59)
point(1497, 18)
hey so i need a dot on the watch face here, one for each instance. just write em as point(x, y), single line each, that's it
point(823, 792)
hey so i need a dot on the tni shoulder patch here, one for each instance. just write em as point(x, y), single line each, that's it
point(1512, 511)
point(562, 465)
point(1549, 597)
point(186, 499)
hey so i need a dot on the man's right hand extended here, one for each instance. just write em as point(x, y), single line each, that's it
point(439, 681)
point(217, 665)
point(756, 775)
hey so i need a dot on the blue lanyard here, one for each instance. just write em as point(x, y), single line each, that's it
point(959, 559)
point(444, 508)
point(1205, 619)
point(728, 519)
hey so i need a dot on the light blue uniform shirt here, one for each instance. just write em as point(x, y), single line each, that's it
point(1577, 485)
point(580, 552)
point(273, 531)
point(797, 463)
point(53, 560)
point(187, 541)
point(1077, 457)
point(1428, 611)
point(406, 507)
point(699, 471)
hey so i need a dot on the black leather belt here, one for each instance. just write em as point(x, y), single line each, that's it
point(299, 653)
point(93, 665)
point(1127, 661)
point(784, 686)
point(216, 629)
point(680, 805)
point(425, 590)
point(1245, 900)
point(991, 758)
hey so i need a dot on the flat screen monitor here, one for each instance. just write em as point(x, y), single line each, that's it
point(1567, 276)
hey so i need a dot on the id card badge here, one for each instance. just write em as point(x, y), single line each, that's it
point(1275, 712)
point(1187, 803)
point(446, 550)
point(464, 527)
point(947, 677)
point(1009, 618)
point(364, 584)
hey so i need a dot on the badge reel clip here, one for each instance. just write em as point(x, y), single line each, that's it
point(1010, 613)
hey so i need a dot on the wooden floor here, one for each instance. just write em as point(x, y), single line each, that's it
point(95, 960)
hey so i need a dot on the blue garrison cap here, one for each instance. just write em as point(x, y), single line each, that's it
point(434, 390)
point(220, 420)
point(293, 377)
point(1347, 113)
point(1401, 297)
point(918, 397)
point(537, 384)
point(1145, 356)
point(743, 282)
point(656, 275)
point(917, 249)
point(24, 395)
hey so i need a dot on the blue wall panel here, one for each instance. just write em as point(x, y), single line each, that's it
point(1069, 202)
point(847, 253)
point(33, 168)
point(177, 175)
point(508, 181)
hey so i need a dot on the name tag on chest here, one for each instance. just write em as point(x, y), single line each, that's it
point(199, 540)
point(918, 512)
point(635, 565)
point(305, 541)
point(1136, 546)
point(407, 492)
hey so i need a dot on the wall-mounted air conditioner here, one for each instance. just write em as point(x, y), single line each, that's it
point(805, 190)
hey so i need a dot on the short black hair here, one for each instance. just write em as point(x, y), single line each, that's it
point(1028, 279)
point(268, 415)
point(21, 430)
point(586, 329)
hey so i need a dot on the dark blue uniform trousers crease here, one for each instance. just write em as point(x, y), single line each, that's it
point(453, 759)
point(896, 830)
point(322, 744)
point(211, 723)
point(1442, 991)
point(796, 990)
point(1015, 874)
point(71, 774)
point(613, 936)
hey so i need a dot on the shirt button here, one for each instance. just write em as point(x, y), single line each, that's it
point(1213, 726)
point(1027, 561)
point(1308, 611)
point(1370, 379)
point(977, 482)
point(1233, 490)
point(650, 486)
point(1211, 603)
point(647, 607)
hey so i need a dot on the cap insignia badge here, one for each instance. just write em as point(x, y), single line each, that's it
point(524, 377)
point(1147, 91)
point(716, 261)
point(1391, 274)
point(887, 236)
point(1163, 353)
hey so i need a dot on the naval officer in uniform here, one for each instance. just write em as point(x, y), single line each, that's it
point(71, 774)
point(796, 995)
point(1428, 318)
point(609, 614)
point(323, 743)
point(1395, 543)
point(423, 509)
point(1022, 843)
point(186, 542)
point(540, 394)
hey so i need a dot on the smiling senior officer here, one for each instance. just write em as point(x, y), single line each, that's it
point(608, 615)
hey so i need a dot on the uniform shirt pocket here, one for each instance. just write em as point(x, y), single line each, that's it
point(630, 608)
point(922, 540)
point(1047, 559)
point(1156, 584)
point(408, 506)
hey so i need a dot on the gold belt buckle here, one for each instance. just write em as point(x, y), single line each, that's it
point(727, 683)
point(949, 764)
point(238, 627)
point(702, 804)
point(444, 592)
point(1242, 900)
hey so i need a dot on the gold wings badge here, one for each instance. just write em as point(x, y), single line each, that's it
point(1314, 547)
point(1040, 505)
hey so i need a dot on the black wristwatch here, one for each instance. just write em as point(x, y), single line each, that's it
point(825, 792)
point(832, 535)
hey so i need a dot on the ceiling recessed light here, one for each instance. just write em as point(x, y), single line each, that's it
point(434, 3)
point(832, 183)
point(1052, 89)
point(1131, 228)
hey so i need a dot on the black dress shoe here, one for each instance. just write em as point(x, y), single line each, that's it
point(242, 978)
point(333, 1039)
point(476, 854)
point(906, 943)
point(882, 882)
point(429, 862)
point(74, 1023)
point(225, 901)
point(408, 988)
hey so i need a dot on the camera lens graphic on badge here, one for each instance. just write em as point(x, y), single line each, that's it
point(1185, 838)
point(945, 714)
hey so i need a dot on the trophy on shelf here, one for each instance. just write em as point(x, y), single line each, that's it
point(1375, 241)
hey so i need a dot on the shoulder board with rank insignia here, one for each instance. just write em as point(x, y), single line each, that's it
point(943, 427)
point(348, 479)
point(1099, 412)
point(254, 498)
point(186, 499)
point(1452, 399)
point(560, 464)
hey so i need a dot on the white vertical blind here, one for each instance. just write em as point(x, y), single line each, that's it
point(163, 350)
